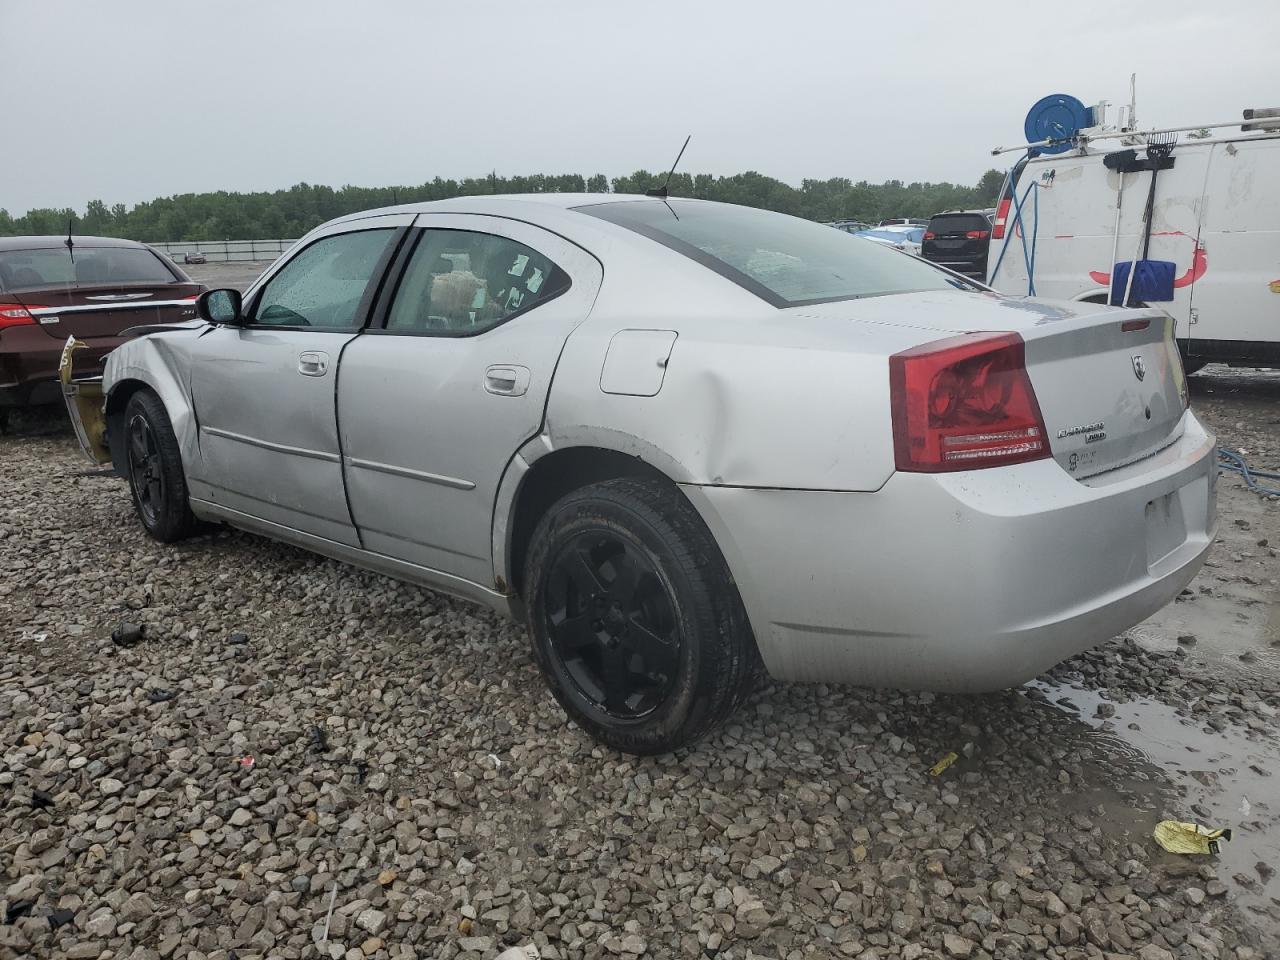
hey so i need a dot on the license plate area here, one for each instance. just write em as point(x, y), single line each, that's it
point(1166, 527)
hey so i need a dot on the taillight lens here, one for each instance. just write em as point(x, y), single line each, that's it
point(977, 235)
point(17, 314)
point(930, 235)
point(964, 403)
point(1002, 217)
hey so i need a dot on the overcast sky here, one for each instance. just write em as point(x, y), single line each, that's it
point(133, 99)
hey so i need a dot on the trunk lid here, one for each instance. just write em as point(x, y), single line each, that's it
point(96, 311)
point(1109, 381)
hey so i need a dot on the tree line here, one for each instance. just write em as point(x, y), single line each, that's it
point(222, 215)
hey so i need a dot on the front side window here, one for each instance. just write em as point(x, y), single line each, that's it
point(784, 260)
point(459, 283)
point(323, 285)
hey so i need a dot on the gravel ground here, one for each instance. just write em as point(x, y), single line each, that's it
point(292, 734)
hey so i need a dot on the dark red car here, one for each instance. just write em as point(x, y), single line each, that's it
point(92, 287)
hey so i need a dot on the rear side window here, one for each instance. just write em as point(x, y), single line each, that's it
point(785, 261)
point(950, 223)
point(81, 265)
point(459, 283)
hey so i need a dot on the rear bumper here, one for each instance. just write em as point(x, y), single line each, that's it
point(29, 365)
point(967, 581)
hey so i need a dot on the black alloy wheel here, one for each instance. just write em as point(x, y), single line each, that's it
point(612, 624)
point(636, 622)
point(153, 467)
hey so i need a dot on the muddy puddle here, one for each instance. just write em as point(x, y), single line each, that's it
point(1167, 764)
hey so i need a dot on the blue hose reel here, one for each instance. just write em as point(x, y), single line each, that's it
point(1057, 117)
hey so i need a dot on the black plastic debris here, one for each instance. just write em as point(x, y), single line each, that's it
point(40, 799)
point(156, 695)
point(362, 771)
point(319, 739)
point(128, 634)
point(238, 639)
point(18, 909)
point(60, 918)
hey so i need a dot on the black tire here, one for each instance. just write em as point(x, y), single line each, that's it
point(670, 633)
point(154, 469)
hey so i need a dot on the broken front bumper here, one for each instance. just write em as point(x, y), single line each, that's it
point(85, 405)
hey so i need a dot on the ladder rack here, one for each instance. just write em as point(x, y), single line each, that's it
point(1267, 121)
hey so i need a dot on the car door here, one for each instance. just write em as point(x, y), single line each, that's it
point(1236, 293)
point(451, 379)
point(263, 393)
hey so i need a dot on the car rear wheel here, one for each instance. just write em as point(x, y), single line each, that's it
point(635, 621)
point(154, 466)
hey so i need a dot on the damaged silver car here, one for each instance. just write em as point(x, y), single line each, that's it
point(683, 441)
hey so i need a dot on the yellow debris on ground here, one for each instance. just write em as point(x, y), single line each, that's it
point(1178, 837)
point(945, 762)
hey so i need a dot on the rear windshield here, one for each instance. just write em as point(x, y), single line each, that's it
point(958, 223)
point(783, 260)
point(20, 269)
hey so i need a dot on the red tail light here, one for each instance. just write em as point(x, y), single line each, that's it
point(977, 234)
point(1002, 217)
point(17, 315)
point(930, 235)
point(964, 403)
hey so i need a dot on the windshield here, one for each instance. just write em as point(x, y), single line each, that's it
point(51, 266)
point(783, 260)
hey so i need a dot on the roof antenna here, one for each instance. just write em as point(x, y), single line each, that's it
point(70, 244)
point(662, 190)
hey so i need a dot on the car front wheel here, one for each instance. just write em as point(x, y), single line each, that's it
point(156, 478)
point(635, 620)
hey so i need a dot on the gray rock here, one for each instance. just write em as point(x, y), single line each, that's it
point(372, 921)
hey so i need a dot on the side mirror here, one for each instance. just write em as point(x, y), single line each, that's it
point(220, 306)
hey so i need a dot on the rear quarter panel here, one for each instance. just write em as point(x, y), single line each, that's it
point(782, 400)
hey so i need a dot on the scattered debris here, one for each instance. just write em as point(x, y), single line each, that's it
point(246, 762)
point(158, 695)
point(497, 763)
point(464, 926)
point(18, 909)
point(41, 799)
point(319, 739)
point(386, 877)
point(128, 634)
point(945, 762)
point(526, 952)
point(237, 639)
point(60, 918)
point(362, 771)
point(333, 897)
point(1178, 837)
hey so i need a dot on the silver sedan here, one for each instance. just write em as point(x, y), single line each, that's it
point(683, 441)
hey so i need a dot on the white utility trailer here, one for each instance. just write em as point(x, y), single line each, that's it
point(1064, 220)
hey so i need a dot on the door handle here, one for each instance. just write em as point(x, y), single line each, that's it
point(507, 380)
point(313, 363)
